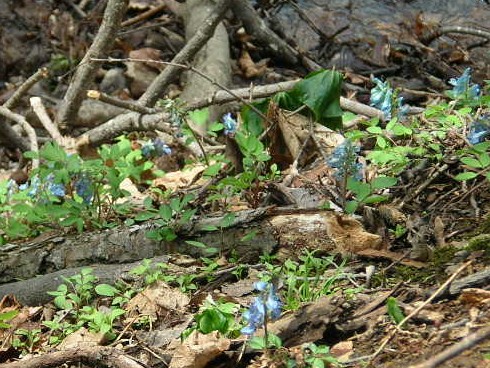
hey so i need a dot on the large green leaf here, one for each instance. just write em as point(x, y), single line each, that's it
point(320, 91)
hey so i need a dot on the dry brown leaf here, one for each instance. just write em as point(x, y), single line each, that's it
point(157, 301)
point(198, 350)
point(179, 179)
point(249, 68)
point(81, 339)
point(474, 296)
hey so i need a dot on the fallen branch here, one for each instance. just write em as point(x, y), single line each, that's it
point(6, 130)
point(25, 87)
point(202, 35)
point(95, 356)
point(85, 73)
point(31, 133)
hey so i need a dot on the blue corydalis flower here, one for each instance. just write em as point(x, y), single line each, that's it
point(381, 97)
point(266, 305)
point(155, 148)
point(479, 130)
point(230, 124)
point(462, 86)
point(36, 187)
point(344, 161)
point(83, 187)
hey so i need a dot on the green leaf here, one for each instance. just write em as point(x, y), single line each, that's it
point(196, 244)
point(394, 310)
point(7, 316)
point(106, 290)
point(212, 320)
point(382, 182)
point(145, 215)
point(200, 117)
point(213, 169)
point(351, 206)
point(375, 199)
point(381, 142)
point(471, 162)
point(484, 159)
point(466, 176)
point(257, 343)
point(320, 91)
point(165, 212)
point(374, 130)
point(51, 151)
point(252, 122)
point(360, 189)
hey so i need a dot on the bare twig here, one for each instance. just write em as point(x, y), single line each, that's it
point(31, 133)
point(417, 310)
point(77, 9)
point(457, 29)
point(40, 111)
point(86, 71)
point(25, 87)
point(143, 16)
point(128, 105)
point(203, 34)
point(456, 349)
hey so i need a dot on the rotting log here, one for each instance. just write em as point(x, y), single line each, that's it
point(290, 232)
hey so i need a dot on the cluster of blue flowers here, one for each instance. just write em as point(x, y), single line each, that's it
point(35, 187)
point(264, 307)
point(230, 125)
point(38, 189)
point(463, 88)
point(479, 130)
point(382, 99)
point(344, 160)
point(155, 148)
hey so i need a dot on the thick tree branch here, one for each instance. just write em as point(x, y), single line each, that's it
point(202, 35)
point(86, 71)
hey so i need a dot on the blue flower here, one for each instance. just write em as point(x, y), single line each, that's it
point(83, 187)
point(462, 87)
point(161, 148)
point(36, 187)
point(55, 189)
point(230, 124)
point(381, 97)
point(479, 130)
point(344, 160)
point(266, 305)
point(155, 148)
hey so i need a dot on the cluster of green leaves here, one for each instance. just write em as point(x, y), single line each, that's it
point(28, 212)
point(168, 218)
point(305, 280)
point(159, 272)
point(75, 299)
point(216, 316)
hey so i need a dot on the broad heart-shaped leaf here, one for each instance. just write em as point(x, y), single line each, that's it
point(320, 91)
